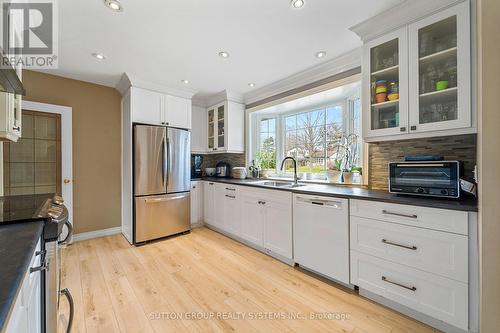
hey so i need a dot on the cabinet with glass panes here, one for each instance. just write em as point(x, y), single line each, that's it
point(440, 71)
point(417, 79)
point(385, 79)
point(216, 127)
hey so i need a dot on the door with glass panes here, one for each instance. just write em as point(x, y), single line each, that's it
point(385, 85)
point(439, 71)
point(32, 165)
point(216, 122)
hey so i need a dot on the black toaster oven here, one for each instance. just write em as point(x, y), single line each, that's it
point(429, 178)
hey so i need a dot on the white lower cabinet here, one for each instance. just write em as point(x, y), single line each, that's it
point(260, 217)
point(278, 224)
point(430, 294)
point(417, 257)
point(26, 313)
point(433, 251)
point(209, 202)
point(196, 202)
point(266, 217)
point(252, 218)
point(231, 213)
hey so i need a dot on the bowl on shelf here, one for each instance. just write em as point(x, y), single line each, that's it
point(441, 85)
point(380, 97)
point(393, 96)
point(210, 172)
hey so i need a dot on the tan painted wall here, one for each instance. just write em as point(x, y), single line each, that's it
point(96, 145)
point(489, 161)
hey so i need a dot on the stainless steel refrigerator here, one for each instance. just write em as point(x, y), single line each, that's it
point(162, 176)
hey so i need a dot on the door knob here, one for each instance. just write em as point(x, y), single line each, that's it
point(67, 181)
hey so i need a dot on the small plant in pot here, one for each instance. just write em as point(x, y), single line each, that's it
point(350, 144)
point(334, 171)
point(266, 159)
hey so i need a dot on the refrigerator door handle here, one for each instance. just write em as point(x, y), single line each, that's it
point(169, 159)
point(163, 162)
point(164, 199)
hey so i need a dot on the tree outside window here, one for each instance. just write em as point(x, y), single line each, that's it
point(266, 156)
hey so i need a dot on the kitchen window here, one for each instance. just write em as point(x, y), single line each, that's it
point(321, 137)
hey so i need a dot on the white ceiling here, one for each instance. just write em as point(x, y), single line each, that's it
point(166, 41)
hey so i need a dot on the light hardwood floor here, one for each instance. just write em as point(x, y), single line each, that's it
point(152, 288)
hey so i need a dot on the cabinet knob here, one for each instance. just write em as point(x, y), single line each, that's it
point(17, 128)
point(402, 129)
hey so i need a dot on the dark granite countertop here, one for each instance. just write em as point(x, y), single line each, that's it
point(17, 245)
point(343, 191)
point(21, 208)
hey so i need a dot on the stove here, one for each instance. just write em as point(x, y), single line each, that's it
point(55, 236)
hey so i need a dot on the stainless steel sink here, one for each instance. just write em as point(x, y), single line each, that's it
point(273, 183)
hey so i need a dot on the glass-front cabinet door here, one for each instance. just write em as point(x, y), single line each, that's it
point(211, 129)
point(221, 126)
point(439, 71)
point(216, 122)
point(385, 88)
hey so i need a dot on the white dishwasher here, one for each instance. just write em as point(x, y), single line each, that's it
point(321, 235)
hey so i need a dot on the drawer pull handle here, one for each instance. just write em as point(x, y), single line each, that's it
point(230, 189)
point(385, 241)
point(411, 216)
point(398, 284)
point(230, 196)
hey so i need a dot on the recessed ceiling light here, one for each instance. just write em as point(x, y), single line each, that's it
point(99, 56)
point(224, 54)
point(185, 81)
point(114, 5)
point(251, 84)
point(297, 4)
point(320, 54)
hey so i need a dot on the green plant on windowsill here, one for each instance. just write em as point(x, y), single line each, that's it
point(266, 156)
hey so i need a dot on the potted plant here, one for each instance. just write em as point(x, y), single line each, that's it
point(266, 160)
point(350, 157)
point(334, 171)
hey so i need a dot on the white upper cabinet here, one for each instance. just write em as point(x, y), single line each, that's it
point(225, 127)
point(146, 106)
point(439, 60)
point(385, 76)
point(199, 130)
point(177, 111)
point(417, 78)
point(151, 107)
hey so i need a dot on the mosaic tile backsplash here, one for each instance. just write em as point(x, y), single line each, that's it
point(457, 147)
point(210, 160)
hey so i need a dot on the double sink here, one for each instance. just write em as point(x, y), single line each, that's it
point(278, 184)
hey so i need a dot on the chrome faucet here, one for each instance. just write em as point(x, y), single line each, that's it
point(295, 178)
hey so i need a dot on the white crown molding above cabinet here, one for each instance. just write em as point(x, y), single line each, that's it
point(398, 16)
point(342, 63)
point(129, 80)
point(218, 98)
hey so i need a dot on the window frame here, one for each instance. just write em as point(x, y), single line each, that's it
point(346, 103)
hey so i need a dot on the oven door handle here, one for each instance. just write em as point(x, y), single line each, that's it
point(70, 233)
point(66, 293)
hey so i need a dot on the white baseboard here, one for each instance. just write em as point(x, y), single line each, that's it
point(96, 233)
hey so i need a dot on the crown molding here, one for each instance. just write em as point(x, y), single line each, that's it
point(342, 63)
point(217, 98)
point(129, 80)
point(406, 12)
